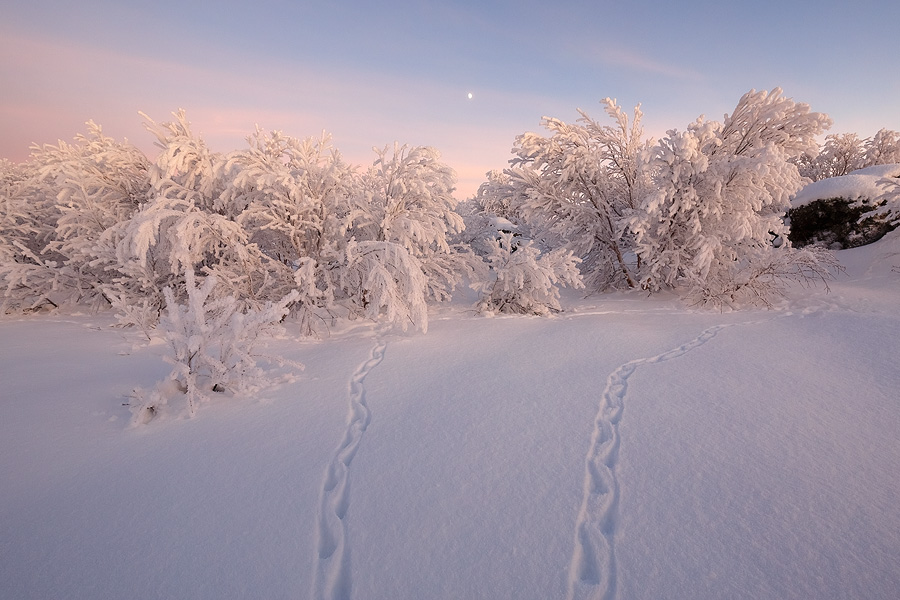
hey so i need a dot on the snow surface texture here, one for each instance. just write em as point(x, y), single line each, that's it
point(627, 448)
point(331, 578)
point(860, 184)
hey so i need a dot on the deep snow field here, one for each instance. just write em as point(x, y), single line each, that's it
point(629, 447)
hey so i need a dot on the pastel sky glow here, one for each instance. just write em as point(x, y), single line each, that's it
point(374, 73)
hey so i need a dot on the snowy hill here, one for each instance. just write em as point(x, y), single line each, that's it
point(626, 448)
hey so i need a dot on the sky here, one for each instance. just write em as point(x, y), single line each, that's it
point(372, 73)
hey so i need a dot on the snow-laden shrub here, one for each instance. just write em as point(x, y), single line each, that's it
point(882, 149)
point(26, 220)
point(183, 226)
point(293, 196)
point(701, 210)
point(844, 153)
point(61, 216)
point(516, 277)
point(574, 189)
point(721, 190)
point(483, 228)
point(332, 233)
point(526, 281)
point(185, 167)
point(98, 223)
point(383, 278)
point(840, 154)
point(406, 198)
point(498, 196)
point(171, 235)
point(764, 279)
point(214, 349)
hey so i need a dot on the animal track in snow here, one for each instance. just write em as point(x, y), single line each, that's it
point(592, 570)
point(331, 578)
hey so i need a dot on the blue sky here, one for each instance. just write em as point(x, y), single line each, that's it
point(371, 73)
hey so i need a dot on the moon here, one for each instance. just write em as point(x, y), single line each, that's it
point(469, 95)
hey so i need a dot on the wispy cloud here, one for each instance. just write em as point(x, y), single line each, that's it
point(620, 57)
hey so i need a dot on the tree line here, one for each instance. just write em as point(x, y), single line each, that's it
point(287, 221)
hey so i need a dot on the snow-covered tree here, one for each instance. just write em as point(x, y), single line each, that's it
point(63, 216)
point(384, 279)
point(214, 345)
point(882, 149)
point(841, 154)
point(498, 196)
point(406, 198)
point(721, 190)
point(493, 210)
point(296, 190)
point(184, 225)
point(25, 221)
point(336, 233)
point(185, 168)
point(844, 153)
point(170, 235)
point(292, 196)
point(289, 214)
point(526, 281)
point(575, 189)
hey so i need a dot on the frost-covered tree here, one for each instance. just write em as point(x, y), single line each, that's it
point(214, 345)
point(19, 258)
point(406, 198)
point(498, 196)
point(97, 221)
point(721, 190)
point(526, 281)
point(882, 149)
point(493, 210)
point(576, 187)
point(289, 214)
point(336, 233)
point(185, 167)
point(26, 222)
point(292, 196)
point(295, 190)
point(384, 279)
point(64, 216)
point(184, 225)
point(844, 153)
point(841, 154)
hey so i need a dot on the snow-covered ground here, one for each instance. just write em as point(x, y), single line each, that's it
point(626, 448)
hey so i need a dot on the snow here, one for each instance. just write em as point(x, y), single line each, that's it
point(860, 184)
point(626, 448)
point(501, 224)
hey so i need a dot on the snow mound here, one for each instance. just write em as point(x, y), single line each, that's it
point(862, 183)
point(892, 170)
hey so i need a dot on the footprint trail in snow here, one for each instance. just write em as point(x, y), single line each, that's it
point(331, 578)
point(592, 570)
